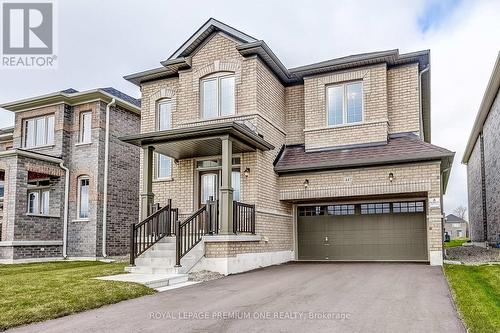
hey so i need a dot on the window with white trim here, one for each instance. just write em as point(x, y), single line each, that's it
point(376, 208)
point(345, 103)
point(163, 167)
point(85, 127)
point(164, 114)
point(39, 131)
point(83, 197)
point(38, 201)
point(217, 96)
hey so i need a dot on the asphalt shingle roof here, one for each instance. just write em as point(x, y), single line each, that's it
point(397, 150)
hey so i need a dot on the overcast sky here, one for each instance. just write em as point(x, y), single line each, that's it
point(100, 41)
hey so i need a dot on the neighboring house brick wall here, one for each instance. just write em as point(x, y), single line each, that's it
point(403, 99)
point(475, 194)
point(295, 116)
point(491, 134)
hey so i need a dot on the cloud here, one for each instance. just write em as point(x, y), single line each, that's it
point(100, 41)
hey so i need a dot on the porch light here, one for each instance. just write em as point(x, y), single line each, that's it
point(391, 177)
point(246, 172)
point(306, 183)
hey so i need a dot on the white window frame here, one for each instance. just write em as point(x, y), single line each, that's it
point(217, 77)
point(157, 117)
point(157, 168)
point(82, 127)
point(46, 129)
point(79, 198)
point(344, 103)
point(40, 191)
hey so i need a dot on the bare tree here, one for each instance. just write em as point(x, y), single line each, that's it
point(460, 211)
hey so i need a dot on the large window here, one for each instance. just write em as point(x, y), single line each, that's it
point(164, 115)
point(39, 131)
point(83, 197)
point(217, 96)
point(345, 103)
point(86, 127)
point(38, 201)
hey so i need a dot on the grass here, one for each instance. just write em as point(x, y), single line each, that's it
point(41, 291)
point(476, 290)
point(455, 242)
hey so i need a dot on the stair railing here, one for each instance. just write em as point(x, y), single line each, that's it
point(145, 234)
point(243, 217)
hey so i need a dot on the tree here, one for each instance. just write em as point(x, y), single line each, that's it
point(460, 211)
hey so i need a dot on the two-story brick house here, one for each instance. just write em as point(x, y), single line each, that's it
point(58, 163)
point(329, 161)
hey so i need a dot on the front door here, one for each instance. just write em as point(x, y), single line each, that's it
point(209, 186)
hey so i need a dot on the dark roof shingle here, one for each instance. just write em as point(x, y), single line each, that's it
point(123, 96)
point(408, 148)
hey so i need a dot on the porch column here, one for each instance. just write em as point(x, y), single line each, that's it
point(147, 196)
point(226, 189)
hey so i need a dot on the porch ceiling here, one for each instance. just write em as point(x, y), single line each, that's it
point(201, 140)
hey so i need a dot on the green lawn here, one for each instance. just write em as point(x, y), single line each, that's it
point(36, 292)
point(455, 242)
point(476, 290)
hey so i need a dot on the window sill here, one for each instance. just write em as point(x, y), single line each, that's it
point(40, 147)
point(79, 144)
point(161, 180)
point(43, 215)
point(80, 220)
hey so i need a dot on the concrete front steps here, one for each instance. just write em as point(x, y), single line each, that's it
point(160, 282)
point(156, 269)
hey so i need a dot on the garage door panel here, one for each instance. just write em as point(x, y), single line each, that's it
point(387, 236)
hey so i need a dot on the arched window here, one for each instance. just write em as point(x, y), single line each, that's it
point(83, 207)
point(217, 93)
point(164, 114)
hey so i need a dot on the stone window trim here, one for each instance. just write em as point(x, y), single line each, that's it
point(215, 67)
point(345, 114)
point(157, 97)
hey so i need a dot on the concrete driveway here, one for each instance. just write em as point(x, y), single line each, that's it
point(299, 297)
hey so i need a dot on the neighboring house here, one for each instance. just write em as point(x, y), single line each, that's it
point(482, 158)
point(329, 161)
point(5, 144)
point(59, 137)
point(456, 227)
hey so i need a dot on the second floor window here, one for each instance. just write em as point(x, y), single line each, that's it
point(217, 96)
point(39, 131)
point(345, 103)
point(86, 127)
point(164, 115)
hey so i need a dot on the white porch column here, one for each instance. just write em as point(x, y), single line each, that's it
point(226, 189)
point(147, 195)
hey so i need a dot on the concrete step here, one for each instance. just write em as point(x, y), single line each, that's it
point(155, 281)
point(152, 270)
point(155, 261)
point(158, 254)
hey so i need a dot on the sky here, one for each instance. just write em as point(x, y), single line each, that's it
point(98, 42)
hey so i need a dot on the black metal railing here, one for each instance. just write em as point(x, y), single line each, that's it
point(190, 232)
point(145, 234)
point(243, 217)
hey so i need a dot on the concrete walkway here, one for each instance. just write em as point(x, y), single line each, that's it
point(357, 297)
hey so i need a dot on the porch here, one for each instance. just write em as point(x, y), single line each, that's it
point(218, 208)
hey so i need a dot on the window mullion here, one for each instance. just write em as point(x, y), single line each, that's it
point(344, 103)
point(219, 107)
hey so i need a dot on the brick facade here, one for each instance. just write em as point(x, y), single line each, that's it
point(290, 115)
point(82, 159)
point(489, 192)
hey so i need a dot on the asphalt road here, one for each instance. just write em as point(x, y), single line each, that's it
point(298, 297)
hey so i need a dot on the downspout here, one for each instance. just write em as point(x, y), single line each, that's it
point(443, 249)
point(65, 214)
point(106, 167)
point(421, 117)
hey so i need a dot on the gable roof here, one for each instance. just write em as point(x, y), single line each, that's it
point(484, 109)
point(72, 97)
point(398, 149)
point(452, 218)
